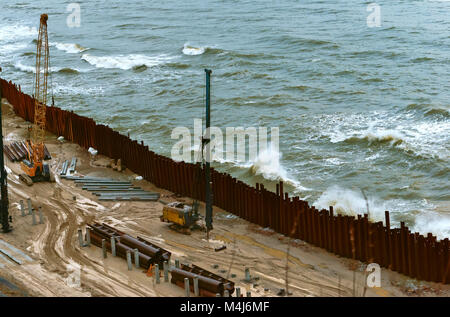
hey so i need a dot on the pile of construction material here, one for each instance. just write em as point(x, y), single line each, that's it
point(17, 151)
point(148, 255)
point(119, 243)
point(112, 189)
point(209, 284)
point(67, 169)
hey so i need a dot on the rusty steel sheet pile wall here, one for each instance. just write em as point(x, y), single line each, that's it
point(415, 255)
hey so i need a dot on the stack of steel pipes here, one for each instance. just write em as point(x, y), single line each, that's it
point(113, 190)
point(209, 284)
point(148, 253)
point(17, 151)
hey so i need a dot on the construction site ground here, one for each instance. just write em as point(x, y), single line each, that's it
point(49, 253)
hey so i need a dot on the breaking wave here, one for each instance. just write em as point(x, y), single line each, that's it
point(424, 219)
point(192, 50)
point(268, 165)
point(421, 139)
point(69, 47)
point(12, 33)
point(430, 110)
point(350, 202)
point(32, 69)
point(435, 222)
point(392, 137)
point(125, 62)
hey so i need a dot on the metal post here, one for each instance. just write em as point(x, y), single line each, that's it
point(249, 294)
point(33, 214)
point(157, 273)
point(166, 271)
point(30, 208)
point(41, 216)
point(177, 264)
point(208, 210)
point(186, 287)
point(22, 208)
point(247, 274)
point(238, 292)
point(136, 258)
point(88, 236)
point(113, 246)
point(4, 214)
point(80, 238)
point(196, 290)
point(130, 266)
point(104, 248)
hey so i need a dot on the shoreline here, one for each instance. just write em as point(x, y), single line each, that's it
point(312, 271)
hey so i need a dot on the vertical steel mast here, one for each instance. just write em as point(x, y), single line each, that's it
point(207, 139)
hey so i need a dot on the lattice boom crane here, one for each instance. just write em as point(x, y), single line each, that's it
point(34, 168)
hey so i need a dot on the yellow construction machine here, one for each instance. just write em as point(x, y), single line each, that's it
point(181, 216)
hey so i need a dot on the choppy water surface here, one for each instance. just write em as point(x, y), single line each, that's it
point(357, 107)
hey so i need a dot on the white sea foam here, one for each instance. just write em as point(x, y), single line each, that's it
point(32, 69)
point(14, 33)
point(350, 202)
point(192, 50)
point(392, 136)
point(70, 48)
point(427, 139)
point(125, 62)
point(434, 222)
point(25, 68)
point(9, 48)
point(71, 90)
point(15, 37)
point(268, 164)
